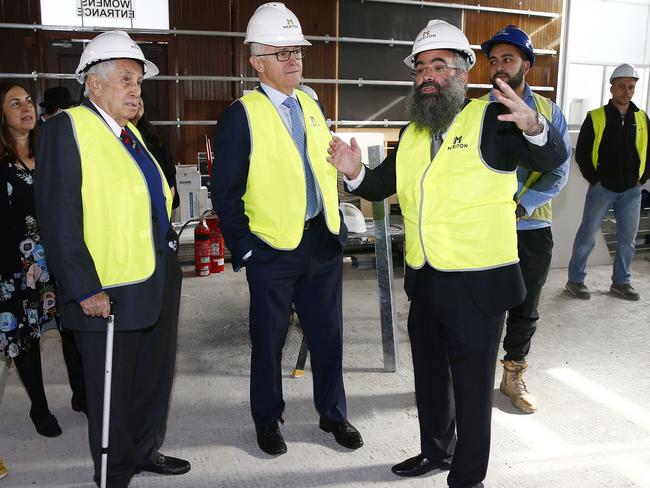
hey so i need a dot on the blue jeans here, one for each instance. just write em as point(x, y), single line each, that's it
point(627, 206)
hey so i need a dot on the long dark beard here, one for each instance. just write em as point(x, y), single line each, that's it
point(435, 112)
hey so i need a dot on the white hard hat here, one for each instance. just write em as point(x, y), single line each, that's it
point(624, 71)
point(353, 218)
point(274, 24)
point(439, 34)
point(112, 45)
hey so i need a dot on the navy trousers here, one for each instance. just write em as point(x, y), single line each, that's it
point(310, 276)
point(454, 354)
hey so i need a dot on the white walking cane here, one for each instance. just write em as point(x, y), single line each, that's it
point(110, 329)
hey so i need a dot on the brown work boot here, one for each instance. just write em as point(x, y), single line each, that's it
point(512, 384)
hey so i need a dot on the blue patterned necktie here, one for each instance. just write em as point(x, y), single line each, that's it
point(298, 134)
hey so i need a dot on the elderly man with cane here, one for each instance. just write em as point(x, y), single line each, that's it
point(104, 209)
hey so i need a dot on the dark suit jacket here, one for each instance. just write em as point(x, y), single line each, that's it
point(60, 214)
point(502, 146)
point(232, 148)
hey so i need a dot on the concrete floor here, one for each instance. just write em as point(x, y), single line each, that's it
point(590, 369)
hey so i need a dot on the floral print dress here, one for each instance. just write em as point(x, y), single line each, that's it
point(27, 289)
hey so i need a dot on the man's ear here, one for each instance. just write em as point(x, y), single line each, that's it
point(94, 85)
point(257, 64)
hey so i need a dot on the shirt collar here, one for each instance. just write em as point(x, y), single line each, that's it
point(115, 127)
point(528, 93)
point(276, 96)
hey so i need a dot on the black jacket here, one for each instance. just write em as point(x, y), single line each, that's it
point(618, 159)
point(59, 206)
point(503, 147)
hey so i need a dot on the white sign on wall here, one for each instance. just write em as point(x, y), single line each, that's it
point(144, 14)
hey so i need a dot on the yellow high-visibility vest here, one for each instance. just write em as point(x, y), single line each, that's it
point(545, 213)
point(116, 202)
point(275, 200)
point(599, 120)
point(459, 214)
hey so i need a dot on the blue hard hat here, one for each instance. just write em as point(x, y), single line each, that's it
point(511, 35)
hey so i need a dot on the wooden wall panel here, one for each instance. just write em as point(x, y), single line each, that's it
point(199, 56)
point(20, 49)
point(19, 11)
point(227, 56)
point(554, 6)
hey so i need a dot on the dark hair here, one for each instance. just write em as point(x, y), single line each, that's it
point(7, 141)
point(148, 131)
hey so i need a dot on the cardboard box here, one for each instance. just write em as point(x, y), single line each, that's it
point(188, 178)
point(372, 153)
point(366, 206)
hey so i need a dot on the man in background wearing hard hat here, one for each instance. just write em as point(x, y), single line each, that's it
point(612, 153)
point(510, 54)
point(454, 174)
point(104, 209)
point(277, 201)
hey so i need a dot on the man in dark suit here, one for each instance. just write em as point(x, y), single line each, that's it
point(277, 201)
point(454, 174)
point(104, 210)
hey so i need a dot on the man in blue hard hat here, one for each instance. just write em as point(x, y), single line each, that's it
point(511, 56)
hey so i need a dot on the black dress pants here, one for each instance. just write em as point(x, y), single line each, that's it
point(535, 251)
point(310, 276)
point(142, 375)
point(454, 354)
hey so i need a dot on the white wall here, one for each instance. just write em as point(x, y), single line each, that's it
point(567, 215)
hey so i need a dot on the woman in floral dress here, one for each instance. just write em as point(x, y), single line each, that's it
point(27, 290)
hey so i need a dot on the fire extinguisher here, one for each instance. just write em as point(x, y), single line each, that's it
point(202, 249)
point(216, 245)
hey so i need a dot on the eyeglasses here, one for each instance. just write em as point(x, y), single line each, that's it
point(283, 56)
point(436, 68)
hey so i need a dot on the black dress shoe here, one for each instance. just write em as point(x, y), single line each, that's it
point(344, 433)
point(270, 440)
point(165, 465)
point(418, 465)
point(46, 425)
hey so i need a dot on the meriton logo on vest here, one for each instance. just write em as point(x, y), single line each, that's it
point(457, 144)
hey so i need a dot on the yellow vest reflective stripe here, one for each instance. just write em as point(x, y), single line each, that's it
point(599, 120)
point(545, 213)
point(116, 203)
point(275, 200)
point(458, 212)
